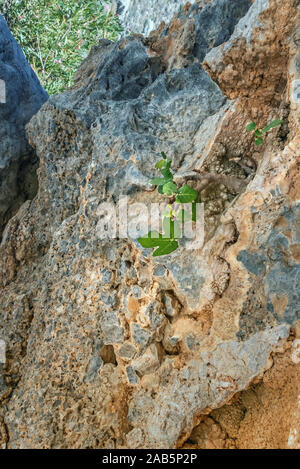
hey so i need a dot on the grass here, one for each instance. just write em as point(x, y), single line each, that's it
point(56, 35)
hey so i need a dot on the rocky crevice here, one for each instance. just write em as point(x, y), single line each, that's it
point(22, 98)
point(123, 350)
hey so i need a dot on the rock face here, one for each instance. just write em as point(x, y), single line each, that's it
point(22, 98)
point(108, 348)
point(140, 16)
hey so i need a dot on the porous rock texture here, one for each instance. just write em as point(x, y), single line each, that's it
point(22, 98)
point(108, 348)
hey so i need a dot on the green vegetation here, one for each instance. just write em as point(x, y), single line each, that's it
point(174, 214)
point(259, 134)
point(56, 35)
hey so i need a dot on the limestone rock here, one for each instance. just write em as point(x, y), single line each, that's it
point(139, 16)
point(107, 347)
point(22, 97)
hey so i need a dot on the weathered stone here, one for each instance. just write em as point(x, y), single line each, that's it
point(172, 307)
point(140, 336)
point(131, 375)
point(22, 96)
point(171, 343)
point(109, 299)
point(93, 369)
point(138, 293)
point(148, 362)
point(127, 351)
point(112, 332)
point(139, 16)
point(106, 276)
point(67, 293)
point(152, 315)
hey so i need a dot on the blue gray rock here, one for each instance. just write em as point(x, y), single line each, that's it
point(181, 334)
point(23, 98)
point(144, 16)
point(141, 16)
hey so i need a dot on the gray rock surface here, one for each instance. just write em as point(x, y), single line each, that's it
point(142, 16)
point(107, 347)
point(23, 98)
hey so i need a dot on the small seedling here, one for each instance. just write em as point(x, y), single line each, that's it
point(174, 214)
point(259, 134)
point(180, 194)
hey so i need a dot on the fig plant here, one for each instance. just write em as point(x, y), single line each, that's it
point(174, 214)
point(259, 134)
point(180, 193)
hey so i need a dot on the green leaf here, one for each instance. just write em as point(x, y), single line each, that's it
point(184, 216)
point(251, 126)
point(167, 173)
point(168, 164)
point(258, 133)
point(272, 124)
point(152, 240)
point(161, 164)
point(167, 248)
point(186, 194)
point(167, 212)
point(167, 227)
point(259, 141)
point(159, 181)
point(194, 211)
point(163, 155)
point(160, 189)
point(170, 188)
point(155, 239)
